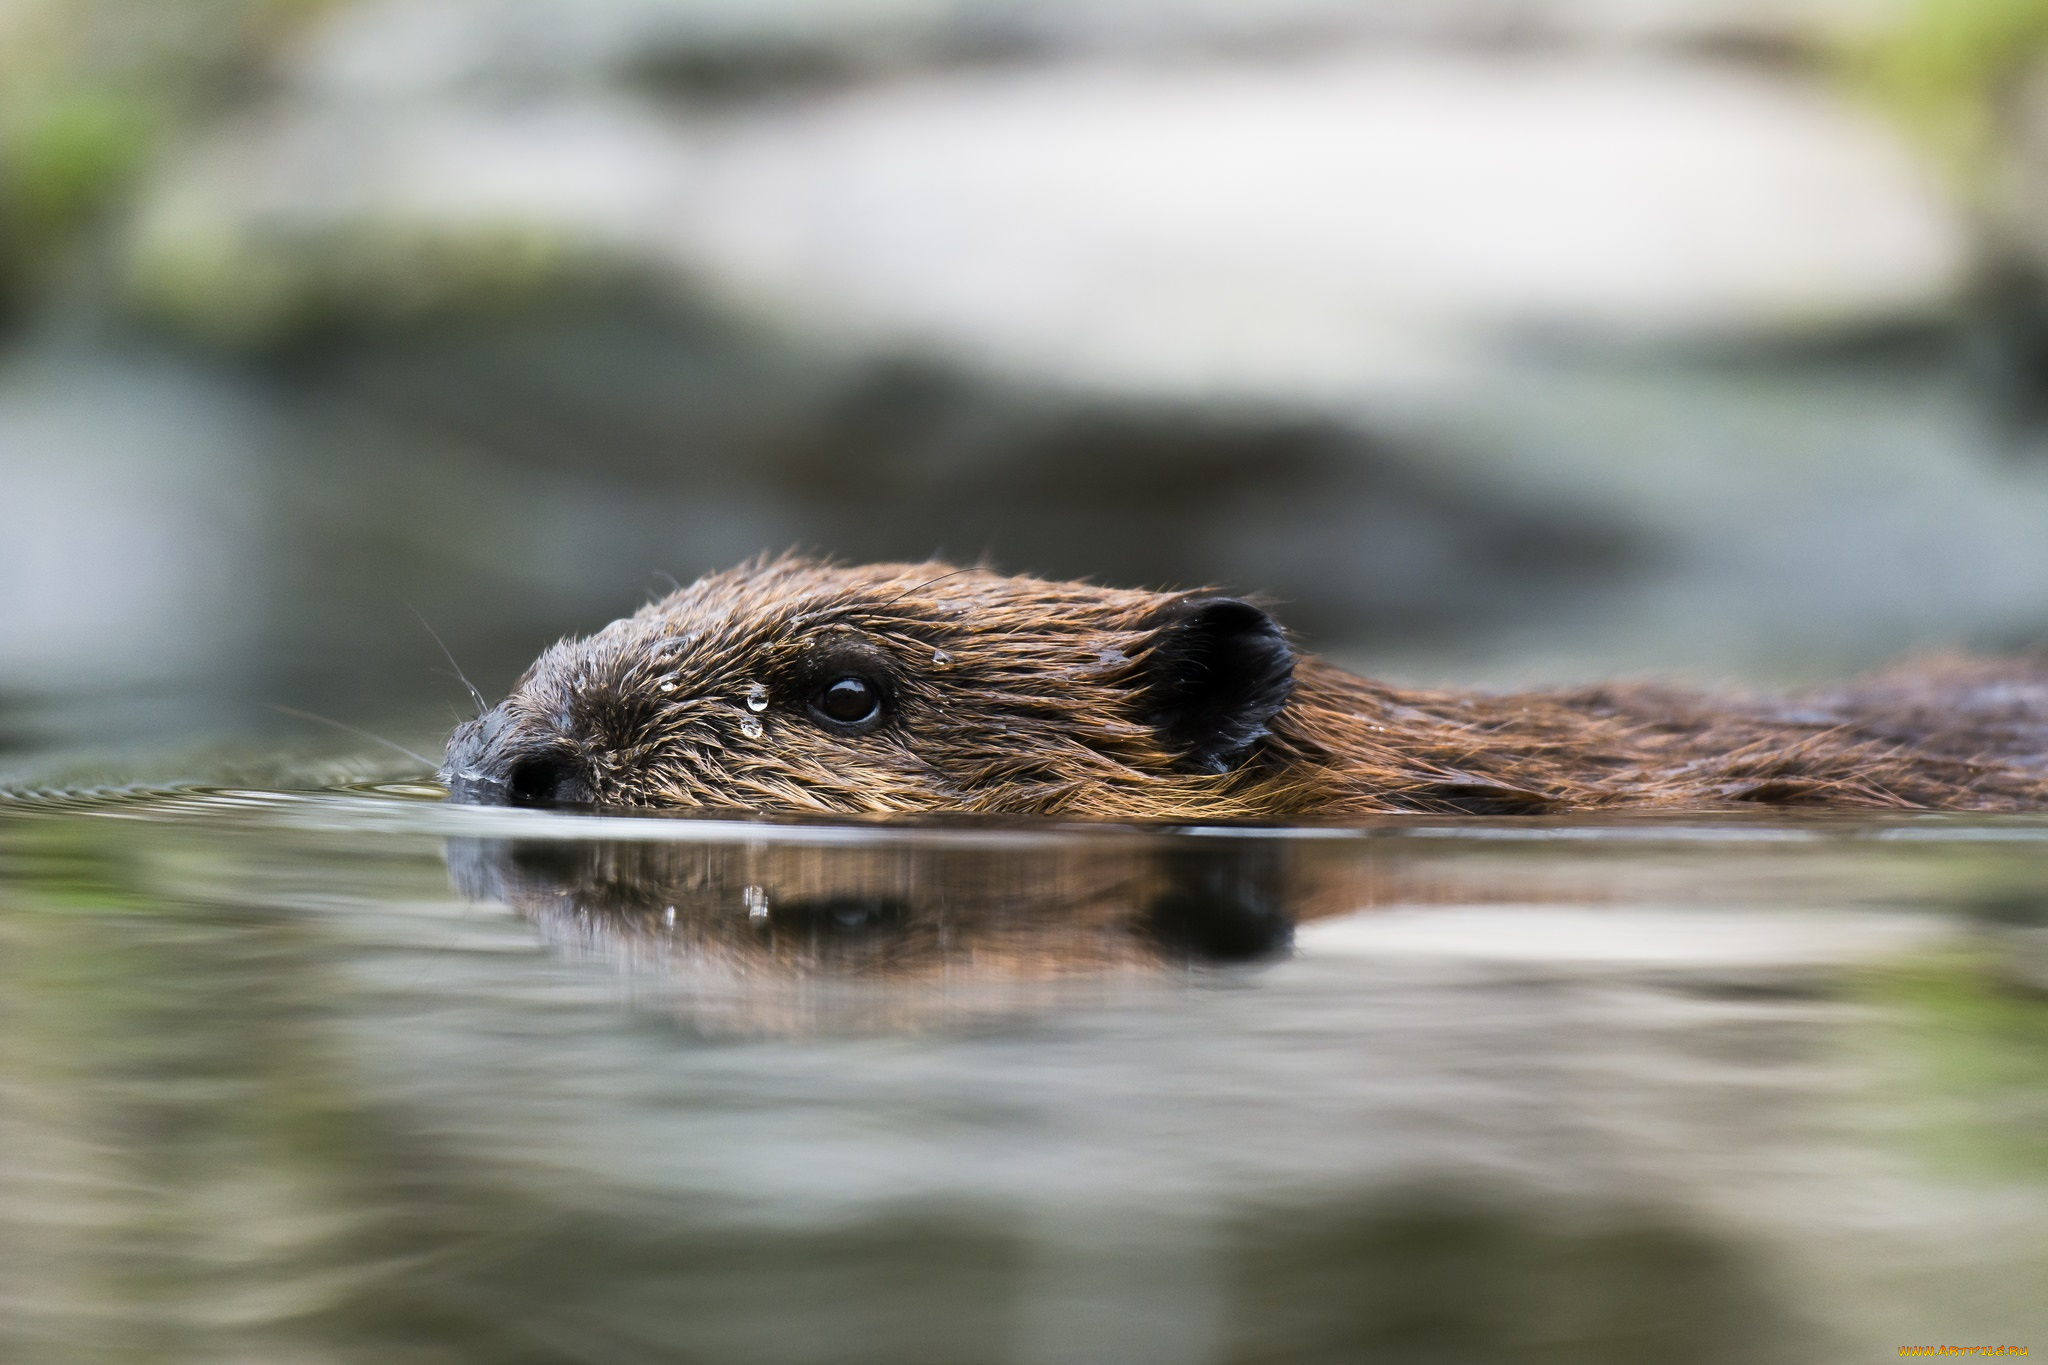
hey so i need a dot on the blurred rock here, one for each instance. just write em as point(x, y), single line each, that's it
point(1311, 229)
point(701, 48)
point(1318, 229)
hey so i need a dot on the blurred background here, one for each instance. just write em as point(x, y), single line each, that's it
point(1499, 341)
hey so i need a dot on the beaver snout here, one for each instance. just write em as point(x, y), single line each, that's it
point(492, 761)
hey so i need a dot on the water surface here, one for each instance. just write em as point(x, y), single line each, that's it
point(354, 1075)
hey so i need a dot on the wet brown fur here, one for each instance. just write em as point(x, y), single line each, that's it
point(1020, 696)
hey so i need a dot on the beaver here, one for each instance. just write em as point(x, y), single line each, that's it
point(793, 684)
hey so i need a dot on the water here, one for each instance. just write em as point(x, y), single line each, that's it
point(354, 1075)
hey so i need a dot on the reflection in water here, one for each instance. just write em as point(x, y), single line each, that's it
point(891, 910)
point(269, 1091)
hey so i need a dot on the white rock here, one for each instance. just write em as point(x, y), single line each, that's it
point(428, 46)
point(1291, 230)
point(1315, 225)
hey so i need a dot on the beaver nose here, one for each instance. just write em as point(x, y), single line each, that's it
point(540, 779)
point(547, 779)
point(487, 766)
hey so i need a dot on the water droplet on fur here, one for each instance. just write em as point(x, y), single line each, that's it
point(941, 658)
point(668, 917)
point(755, 899)
point(751, 728)
point(669, 685)
point(757, 698)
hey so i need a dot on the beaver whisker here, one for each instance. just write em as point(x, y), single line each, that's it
point(448, 654)
point(361, 734)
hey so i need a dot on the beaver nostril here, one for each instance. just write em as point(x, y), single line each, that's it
point(544, 780)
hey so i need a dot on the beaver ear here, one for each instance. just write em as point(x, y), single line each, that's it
point(1216, 672)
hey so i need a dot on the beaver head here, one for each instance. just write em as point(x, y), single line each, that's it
point(792, 684)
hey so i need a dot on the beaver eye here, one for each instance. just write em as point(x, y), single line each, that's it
point(848, 701)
